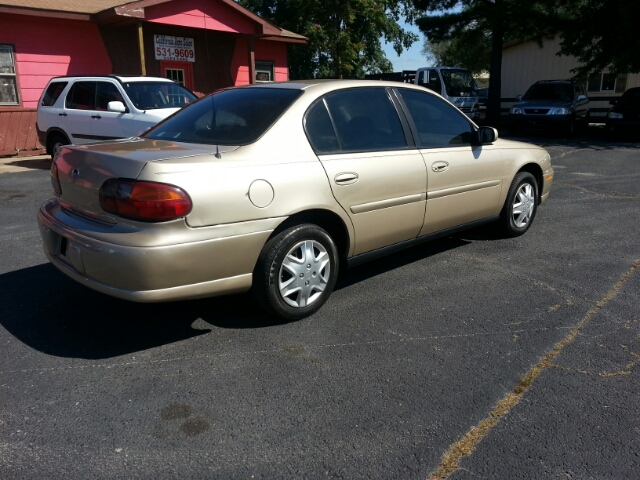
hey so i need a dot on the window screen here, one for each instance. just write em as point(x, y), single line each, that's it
point(8, 80)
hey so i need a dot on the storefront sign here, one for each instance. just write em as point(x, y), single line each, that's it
point(175, 49)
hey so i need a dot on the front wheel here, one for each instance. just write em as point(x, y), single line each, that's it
point(296, 272)
point(520, 206)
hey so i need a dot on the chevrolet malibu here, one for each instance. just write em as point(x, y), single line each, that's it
point(275, 187)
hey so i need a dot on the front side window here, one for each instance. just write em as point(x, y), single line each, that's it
point(458, 83)
point(230, 117)
point(365, 119)
point(438, 124)
point(107, 92)
point(81, 96)
point(8, 78)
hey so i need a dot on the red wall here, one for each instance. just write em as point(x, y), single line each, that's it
point(264, 51)
point(46, 48)
point(201, 14)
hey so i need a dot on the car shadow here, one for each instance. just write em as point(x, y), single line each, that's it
point(55, 315)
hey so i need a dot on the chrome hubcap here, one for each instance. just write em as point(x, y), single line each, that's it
point(304, 273)
point(523, 205)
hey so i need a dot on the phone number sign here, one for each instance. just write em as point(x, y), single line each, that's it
point(176, 49)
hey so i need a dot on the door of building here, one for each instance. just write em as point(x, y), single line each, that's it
point(179, 72)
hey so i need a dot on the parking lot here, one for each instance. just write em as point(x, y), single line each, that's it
point(471, 357)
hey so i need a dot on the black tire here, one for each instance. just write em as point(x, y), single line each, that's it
point(55, 141)
point(569, 129)
point(273, 273)
point(523, 190)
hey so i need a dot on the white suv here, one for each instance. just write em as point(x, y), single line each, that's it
point(89, 109)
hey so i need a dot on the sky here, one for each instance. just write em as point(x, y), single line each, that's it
point(410, 59)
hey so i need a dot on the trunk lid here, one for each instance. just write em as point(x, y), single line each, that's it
point(83, 169)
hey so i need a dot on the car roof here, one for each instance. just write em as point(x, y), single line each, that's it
point(120, 78)
point(321, 86)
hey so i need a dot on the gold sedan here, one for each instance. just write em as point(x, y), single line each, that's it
point(273, 187)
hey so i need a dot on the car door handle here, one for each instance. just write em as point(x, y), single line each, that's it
point(439, 166)
point(346, 178)
point(62, 114)
point(96, 116)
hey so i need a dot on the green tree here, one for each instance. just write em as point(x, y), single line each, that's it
point(345, 36)
point(601, 35)
point(497, 19)
point(471, 50)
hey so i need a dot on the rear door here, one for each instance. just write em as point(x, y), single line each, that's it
point(375, 174)
point(464, 180)
point(77, 115)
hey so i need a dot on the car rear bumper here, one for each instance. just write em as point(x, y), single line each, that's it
point(186, 270)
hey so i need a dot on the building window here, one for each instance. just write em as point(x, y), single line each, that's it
point(175, 74)
point(264, 72)
point(8, 80)
point(607, 82)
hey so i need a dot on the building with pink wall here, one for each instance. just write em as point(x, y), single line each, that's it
point(226, 45)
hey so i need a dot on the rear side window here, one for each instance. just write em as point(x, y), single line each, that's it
point(320, 129)
point(53, 93)
point(81, 96)
point(231, 117)
point(365, 119)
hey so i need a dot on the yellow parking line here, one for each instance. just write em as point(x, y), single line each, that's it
point(467, 444)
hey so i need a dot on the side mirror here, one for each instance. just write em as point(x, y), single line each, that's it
point(613, 102)
point(116, 107)
point(486, 135)
point(518, 98)
point(582, 97)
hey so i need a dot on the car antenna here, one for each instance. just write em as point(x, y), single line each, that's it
point(213, 124)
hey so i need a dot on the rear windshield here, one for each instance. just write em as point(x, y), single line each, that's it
point(154, 95)
point(550, 91)
point(230, 117)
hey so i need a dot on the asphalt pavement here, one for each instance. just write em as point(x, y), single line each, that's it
point(472, 357)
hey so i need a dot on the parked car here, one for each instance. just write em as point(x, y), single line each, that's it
point(88, 109)
point(560, 105)
point(275, 187)
point(624, 116)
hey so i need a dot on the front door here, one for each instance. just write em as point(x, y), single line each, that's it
point(464, 180)
point(179, 72)
point(375, 176)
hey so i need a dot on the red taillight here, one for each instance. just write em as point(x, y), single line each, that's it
point(145, 201)
point(55, 181)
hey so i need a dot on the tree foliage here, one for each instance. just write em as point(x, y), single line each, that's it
point(446, 20)
point(470, 50)
point(601, 35)
point(344, 35)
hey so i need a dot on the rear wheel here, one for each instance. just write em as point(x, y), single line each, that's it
point(520, 206)
point(55, 142)
point(296, 272)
